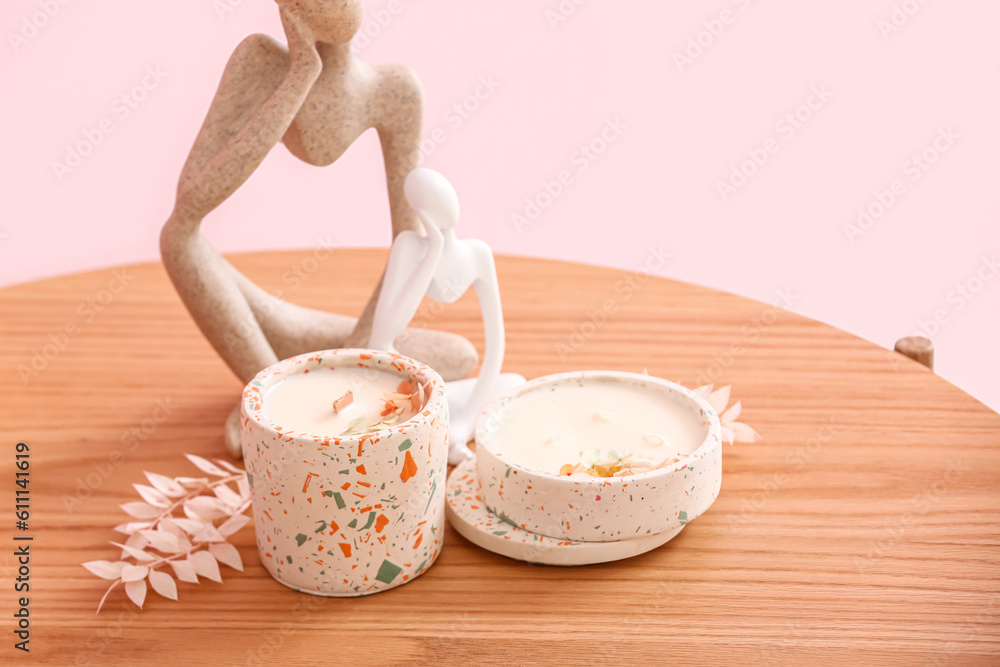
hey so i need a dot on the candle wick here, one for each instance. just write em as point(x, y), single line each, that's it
point(343, 402)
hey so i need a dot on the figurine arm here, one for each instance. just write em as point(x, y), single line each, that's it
point(403, 288)
point(208, 180)
point(399, 123)
point(487, 287)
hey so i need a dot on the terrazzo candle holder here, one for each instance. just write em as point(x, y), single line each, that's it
point(352, 515)
point(596, 509)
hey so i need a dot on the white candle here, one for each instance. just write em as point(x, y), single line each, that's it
point(303, 403)
point(549, 427)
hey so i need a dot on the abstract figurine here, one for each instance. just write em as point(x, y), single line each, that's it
point(443, 267)
point(316, 98)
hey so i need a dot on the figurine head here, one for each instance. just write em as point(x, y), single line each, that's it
point(331, 21)
point(430, 194)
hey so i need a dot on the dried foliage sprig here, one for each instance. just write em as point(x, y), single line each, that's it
point(192, 545)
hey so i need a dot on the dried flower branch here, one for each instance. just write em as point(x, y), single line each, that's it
point(192, 545)
point(400, 406)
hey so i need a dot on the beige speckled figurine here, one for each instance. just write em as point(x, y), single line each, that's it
point(316, 98)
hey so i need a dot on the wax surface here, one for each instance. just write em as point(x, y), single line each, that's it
point(304, 403)
point(547, 428)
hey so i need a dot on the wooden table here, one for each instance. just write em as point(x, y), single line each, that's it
point(864, 529)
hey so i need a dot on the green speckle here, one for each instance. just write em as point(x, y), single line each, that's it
point(371, 520)
point(353, 523)
point(508, 473)
point(506, 519)
point(322, 527)
point(328, 494)
point(403, 446)
point(499, 532)
point(345, 472)
point(250, 481)
point(301, 539)
point(388, 572)
point(289, 558)
point(434, 488)
point(340, 501)
point(683, 516)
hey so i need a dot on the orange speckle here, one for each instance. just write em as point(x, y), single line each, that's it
point(380, 523)
point(361, 469)
point(409, 468)
point(346, 548)
point(346, 486)
point(420, 538)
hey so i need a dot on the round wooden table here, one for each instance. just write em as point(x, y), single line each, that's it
point(864, 529)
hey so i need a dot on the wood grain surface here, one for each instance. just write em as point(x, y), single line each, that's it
point(863, 530)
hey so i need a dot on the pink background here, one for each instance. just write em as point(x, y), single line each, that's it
point(891, 88)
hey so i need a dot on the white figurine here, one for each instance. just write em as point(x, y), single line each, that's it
point(443, 267)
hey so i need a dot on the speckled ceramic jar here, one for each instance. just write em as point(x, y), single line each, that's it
point(354, 515)
point(593, 509)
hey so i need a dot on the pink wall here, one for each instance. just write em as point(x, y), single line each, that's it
point(895, 100)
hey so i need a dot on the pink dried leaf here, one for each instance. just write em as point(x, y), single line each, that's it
point(205, 508)
point(137, 540)
point(163, 541)
point(132, 526)
point(185, 571)
point(720, 399)
point(227, 554)
point(152, 496)
point(136, 591)
point(163, 584)
point(733, 413)
point(228, 496)
point(229, 466)
point(137, 554)
point(205, 565)
point(105, 569)
point(206, 466)
point(728, 435)
point(209, 533)
point(743, 433)
point(233, 524)
point(704, 391)
point(134, 573)
point(189, 526)
point(192, 483)
point(169, 487)
point(244, 487)
point(141, 510)
point(169, 525)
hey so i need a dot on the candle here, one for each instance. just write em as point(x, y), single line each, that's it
point(337, 401)
point(350, 514)
point(589, 421)
point(599, 456)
